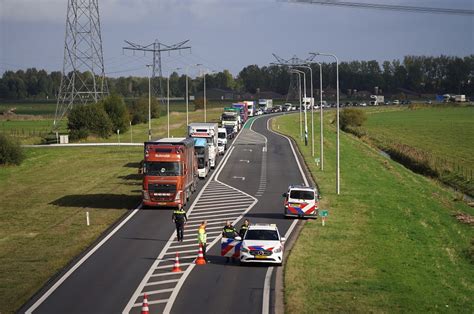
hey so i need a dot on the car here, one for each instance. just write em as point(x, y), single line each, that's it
point(293, 108)
point(301, 201)
point(259, 112)
point(287, 107)
point(396, 102)
point(262, 243)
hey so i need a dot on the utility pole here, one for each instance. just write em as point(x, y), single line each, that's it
point(157, 48)
point(83, 75)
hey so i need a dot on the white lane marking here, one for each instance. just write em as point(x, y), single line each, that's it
point(151, 302)
point(167, 274)
point(158, 291)
point(241, 178)
point(268, 276)
point(266, 292)
point(162, 282)
point(245, 160)
point(169, 266)
point(154, 266)
point(80, 262)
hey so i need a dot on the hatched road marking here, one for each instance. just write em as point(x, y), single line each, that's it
point(216, 203)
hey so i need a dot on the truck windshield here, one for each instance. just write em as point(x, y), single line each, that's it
point(199, 150)
point(201, 163)
point(221, 135)
point(229, 118)
point(302, 195)
point(163, 168)
point(270, 235)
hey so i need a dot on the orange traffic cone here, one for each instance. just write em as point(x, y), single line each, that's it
point(145, 309)
point(200, 259)
point(176, 264)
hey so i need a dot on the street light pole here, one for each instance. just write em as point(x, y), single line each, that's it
point(321, 114)
point(305, 112)
point(149, 103)
point(205, 101)
point(187, 98)
point(299, 95)
point(338, 170)
point(312, 107)
point(168, 102)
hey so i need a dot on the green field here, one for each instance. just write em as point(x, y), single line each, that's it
point(31, 129)
point(390, 244)
point(447, 133)
point(42, 108)
point(43, 207)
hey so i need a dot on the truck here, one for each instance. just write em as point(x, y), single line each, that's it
point(250, 107)
point(170, 172)
point(265, 104)
point(221, 140)
point(201, 150)
point(209, 132)
point(244, 113)
point(377, 100)
point(231, 120)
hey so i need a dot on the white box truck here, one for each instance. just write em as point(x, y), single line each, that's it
point(209, 132)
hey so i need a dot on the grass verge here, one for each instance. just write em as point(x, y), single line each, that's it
point(43, 206)
point(390, 244)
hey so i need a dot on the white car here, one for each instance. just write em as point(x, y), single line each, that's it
point(262, 243)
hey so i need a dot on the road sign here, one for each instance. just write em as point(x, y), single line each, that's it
point(323, 213)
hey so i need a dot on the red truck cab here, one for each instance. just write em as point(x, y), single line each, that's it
point(169, 172)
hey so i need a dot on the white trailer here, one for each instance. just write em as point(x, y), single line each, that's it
point(250, 107)
point(209, 131)
point(265, 104)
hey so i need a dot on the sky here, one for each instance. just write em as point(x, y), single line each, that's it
point(231, 34)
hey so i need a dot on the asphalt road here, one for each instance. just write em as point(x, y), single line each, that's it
point(222, 287)
point(258, 170)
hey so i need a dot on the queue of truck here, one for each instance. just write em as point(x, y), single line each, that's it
point(172, 166)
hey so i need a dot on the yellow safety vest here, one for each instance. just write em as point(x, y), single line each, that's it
point(202, 236)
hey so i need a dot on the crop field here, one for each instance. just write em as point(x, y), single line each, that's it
point(390, 244)
point(30, 108)
point(43, 207)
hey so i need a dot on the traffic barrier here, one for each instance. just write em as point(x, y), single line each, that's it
point(200, 259)
point(145, 309)
point(176, 267)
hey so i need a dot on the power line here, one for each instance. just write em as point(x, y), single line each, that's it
point(391, 7)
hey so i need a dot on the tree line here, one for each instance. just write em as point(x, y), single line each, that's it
point(420, 74)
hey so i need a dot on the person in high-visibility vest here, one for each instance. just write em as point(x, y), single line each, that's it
point(202, 238)
point(244, 228)
point(179, 217)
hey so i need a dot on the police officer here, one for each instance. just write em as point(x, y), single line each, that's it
point(229, 231)
point(202, 238)
point(179, 217)
point(243, 228)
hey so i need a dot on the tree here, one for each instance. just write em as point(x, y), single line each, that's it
point(89, 119)
point(139, 110)
point(117, 111)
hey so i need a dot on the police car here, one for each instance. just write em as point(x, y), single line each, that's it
point(301, 201)
point(262, 243)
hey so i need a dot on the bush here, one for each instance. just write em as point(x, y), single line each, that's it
point(139, 110)
point(10, 151)
point(115, 108)
point(351, 118)
point(199, 103)
point(85, 119)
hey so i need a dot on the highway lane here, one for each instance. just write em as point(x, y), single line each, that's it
point(107, 279)
point(227, 287)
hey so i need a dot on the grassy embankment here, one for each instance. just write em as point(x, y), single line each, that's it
point(43, 204)
point(436, 140)
point(390, 244)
